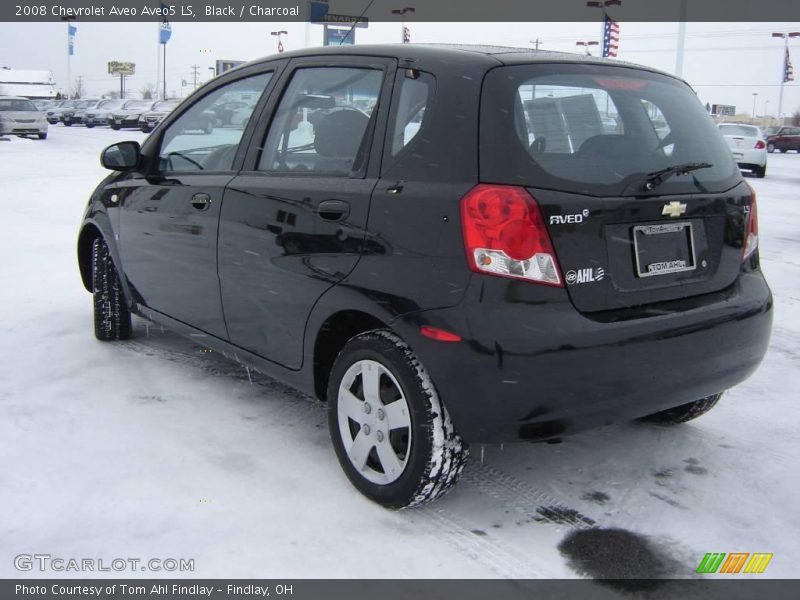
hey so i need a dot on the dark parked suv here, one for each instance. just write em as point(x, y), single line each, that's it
point(447, 244)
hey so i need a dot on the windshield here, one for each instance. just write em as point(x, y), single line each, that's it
point(110, 104)
point(741, 130)
point(595, 130)
point(137, 105)
point(16, 105)
point(166, 105)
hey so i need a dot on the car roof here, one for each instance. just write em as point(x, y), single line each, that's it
point(13, 98)
point(482, 55)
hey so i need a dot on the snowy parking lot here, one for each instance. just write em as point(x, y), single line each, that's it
point(156, 448)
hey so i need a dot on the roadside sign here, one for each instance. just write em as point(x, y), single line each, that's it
point(317, 10)
point(227, 65)
point(116, 67)
point(336, 36)
point(723, 110)
point(331, 18)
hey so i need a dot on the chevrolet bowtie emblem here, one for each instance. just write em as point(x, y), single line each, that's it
point(673, 209)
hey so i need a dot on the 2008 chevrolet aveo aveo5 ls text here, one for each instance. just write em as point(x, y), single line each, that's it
point(449, 245)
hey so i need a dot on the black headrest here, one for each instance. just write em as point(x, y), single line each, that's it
point(339, 134)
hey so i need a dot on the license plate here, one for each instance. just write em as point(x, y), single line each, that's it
point(738, 155)
point(664, 248)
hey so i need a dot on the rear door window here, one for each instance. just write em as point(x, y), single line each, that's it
point(596, 130)
point(322, 121)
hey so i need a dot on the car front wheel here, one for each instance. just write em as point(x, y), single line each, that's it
point(685, 412)
point(392, 435)
point(112, 319)
point(770, 147)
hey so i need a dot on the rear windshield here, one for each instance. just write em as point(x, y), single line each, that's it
point(743, 130)
point(16, 105)
point(597, 130)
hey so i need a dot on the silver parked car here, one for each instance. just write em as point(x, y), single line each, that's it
point(99, 115)
point(19, 116)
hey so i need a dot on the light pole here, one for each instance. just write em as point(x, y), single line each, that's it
point(278, 34)
point(405, 33)
point(603, 5)
point(587, 44)
point(766, 112)
point(786, 74)
point(755, 95)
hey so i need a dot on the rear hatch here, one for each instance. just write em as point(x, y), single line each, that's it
point(639, 192)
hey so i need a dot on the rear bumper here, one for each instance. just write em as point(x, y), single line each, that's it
point(750, 158)
point(539, 371)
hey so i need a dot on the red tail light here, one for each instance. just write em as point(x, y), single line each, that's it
point(760, 145)
point(751, 238)
point(505, 235)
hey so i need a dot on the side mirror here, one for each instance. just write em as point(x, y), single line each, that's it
point(124, 156)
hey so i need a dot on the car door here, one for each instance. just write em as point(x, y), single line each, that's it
point(169, 216)
point(293, 222)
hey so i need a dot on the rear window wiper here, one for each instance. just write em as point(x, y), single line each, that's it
point(656, 178)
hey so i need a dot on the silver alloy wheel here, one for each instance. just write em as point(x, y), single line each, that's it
point(374, 422)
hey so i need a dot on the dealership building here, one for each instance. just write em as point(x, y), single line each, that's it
point(30, 84)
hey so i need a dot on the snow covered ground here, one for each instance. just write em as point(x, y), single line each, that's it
point(155, 448)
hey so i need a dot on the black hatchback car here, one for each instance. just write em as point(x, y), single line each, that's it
point(447, 244)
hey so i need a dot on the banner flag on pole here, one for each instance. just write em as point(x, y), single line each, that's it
point(406, 35)
point(72, 30)
point(788, 70)
point(610, 38)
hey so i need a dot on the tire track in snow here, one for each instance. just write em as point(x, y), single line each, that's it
point(479, 548)
point(532, 503)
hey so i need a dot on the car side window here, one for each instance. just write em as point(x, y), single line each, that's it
point(413, 103)
point(206, 136)
point(322, 121)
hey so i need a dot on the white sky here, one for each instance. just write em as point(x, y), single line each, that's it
point(725, 62)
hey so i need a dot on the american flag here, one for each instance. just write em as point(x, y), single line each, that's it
point(280, 45)
point(788, 70)
point(406, 35)
point(610, 38)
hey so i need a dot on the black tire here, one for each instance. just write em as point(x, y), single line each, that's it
point(67, 124)
point(684, 412)
point(89, 125)
point(42, 136)
point(436, 454)
point(115, 127)
point(760, 172)
point(112, 319)
point(784, 150)
point(770, 147)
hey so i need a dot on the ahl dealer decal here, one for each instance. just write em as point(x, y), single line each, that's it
point(588, 275)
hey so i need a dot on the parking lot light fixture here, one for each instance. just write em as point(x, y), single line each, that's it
point(586, 44)
point(278, 34)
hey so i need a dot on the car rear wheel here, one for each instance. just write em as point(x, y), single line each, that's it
point(115, 127)
point(112, 319)
point(89, 125)
point(760, 172)
point(770, 147)
point(685, 412)
point(392, 435)
point(42, 136)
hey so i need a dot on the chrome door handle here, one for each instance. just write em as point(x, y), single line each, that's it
point(201, 201)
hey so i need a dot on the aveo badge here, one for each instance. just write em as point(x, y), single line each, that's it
point(587, 275)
